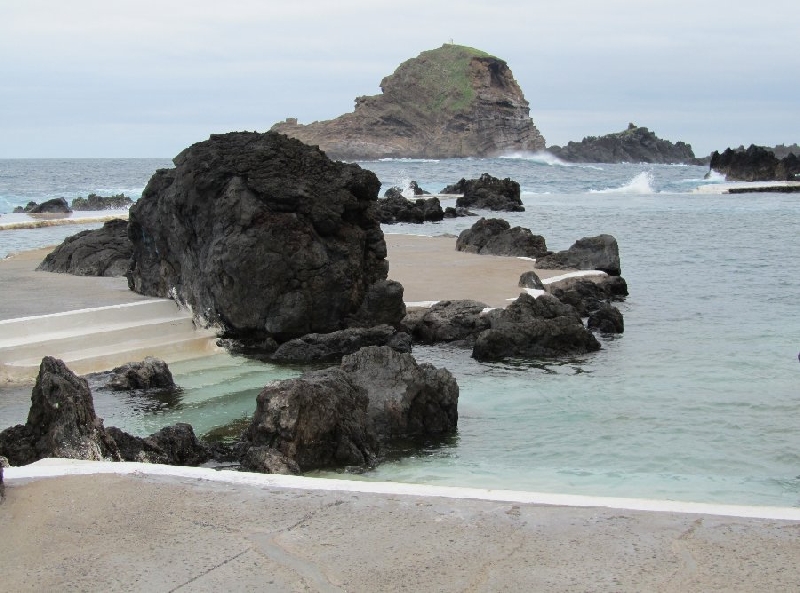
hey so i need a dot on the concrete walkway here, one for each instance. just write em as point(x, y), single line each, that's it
point(188, 529)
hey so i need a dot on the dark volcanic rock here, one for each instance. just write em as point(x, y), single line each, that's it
point(151, 373)
point(447, 321)
point(488, 193)
point(589, 253)
point(589, 295)
point(94, 202)
point(453, 101)
point(396, 208)
point(3, 463)
point(531, 279)
point(54, 206)
point(102, 252)
point(496, 237)
point(755, 164)
point(318, 420)
point(61, 422)
point(266, 460)
point(262, 234)
point(333, 346)
point(606, 319)
point(340, 416)
point(27, 208)
point(534, 328)
point(413, 187)
point(382, 305)
point(172, 445)
point(634, 145)
point(406, 399)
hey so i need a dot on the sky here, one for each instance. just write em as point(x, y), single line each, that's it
point(143, 78)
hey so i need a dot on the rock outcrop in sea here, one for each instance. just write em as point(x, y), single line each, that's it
point(755, 164)
point(635, 145)
point(453, 101)
point(488, 193)
point(266, 237)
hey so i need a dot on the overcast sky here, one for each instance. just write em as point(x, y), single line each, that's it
point(142, 78)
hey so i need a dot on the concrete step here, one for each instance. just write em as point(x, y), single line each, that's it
point(93, 340)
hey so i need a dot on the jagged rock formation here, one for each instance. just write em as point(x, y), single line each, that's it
point(487, 192)
point(101, 252)
point(61, 421)
point(453, 101)
point(634, 145)
point(265, 236)
point(94, 202)
point(755, 164)
point(396, 208)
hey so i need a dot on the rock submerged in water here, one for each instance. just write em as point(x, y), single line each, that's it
point(62, 423)
point(101, 252)
point(342, 415)
point(150, 373)
point(755, 164)
point(541, 327)
point(488, 193)
point(261, 234)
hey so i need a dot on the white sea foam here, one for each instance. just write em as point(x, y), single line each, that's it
point(640, 184)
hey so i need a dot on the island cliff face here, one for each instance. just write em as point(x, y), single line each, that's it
point(453, 101)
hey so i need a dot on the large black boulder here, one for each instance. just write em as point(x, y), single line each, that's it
point(541, 327)
point(488, 193)
point(406, 399)
point(317, 420)
point(260, 233)
point(172, 445)
point(588, 295)
point(341, 416)
point(102, 252)
point(494, 236)
point(590, 253)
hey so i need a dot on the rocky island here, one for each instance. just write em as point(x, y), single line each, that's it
point(636, 144)
point(449, 102)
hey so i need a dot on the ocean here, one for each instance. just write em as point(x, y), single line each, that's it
point(697, 401)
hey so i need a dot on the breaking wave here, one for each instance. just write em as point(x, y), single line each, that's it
point(640, 184)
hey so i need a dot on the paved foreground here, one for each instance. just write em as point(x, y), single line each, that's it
point(152, 533)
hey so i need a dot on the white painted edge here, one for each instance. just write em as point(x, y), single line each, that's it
point(88, 310)
point(49, 468)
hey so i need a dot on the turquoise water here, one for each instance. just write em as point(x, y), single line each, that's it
point(698, 400)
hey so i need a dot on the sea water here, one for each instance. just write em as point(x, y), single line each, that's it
point(697, 401)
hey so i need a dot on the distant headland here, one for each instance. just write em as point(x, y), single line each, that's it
point(454, 101)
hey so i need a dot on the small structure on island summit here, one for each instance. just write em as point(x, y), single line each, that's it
point(454, 101)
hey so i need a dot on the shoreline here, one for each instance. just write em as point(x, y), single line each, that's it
point(161, 529)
